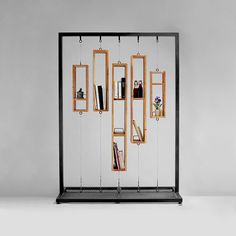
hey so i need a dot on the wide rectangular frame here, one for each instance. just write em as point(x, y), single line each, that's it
point(63, 189)
point(86, 99)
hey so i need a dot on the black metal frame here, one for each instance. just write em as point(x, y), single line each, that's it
point(110, 194)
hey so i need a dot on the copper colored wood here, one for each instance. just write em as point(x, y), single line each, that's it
point(161, 83)
point(106, 52)
point(142, 100)
point(123, 100)
point(74, 83)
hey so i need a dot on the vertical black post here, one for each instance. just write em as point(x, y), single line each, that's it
point(60, 83)
point(177, 112)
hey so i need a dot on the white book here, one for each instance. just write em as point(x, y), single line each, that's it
point(122, 161)
point(119, 90)
point(116, 89)
point(104, 98)
point(97, 95)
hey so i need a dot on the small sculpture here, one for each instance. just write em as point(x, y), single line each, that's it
point(136, 89)
point(140, 89)
point(80, 93)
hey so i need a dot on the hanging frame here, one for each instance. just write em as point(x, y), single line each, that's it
point(110, 194)
point(141, 99)
point(161, 84)
point(74, 85)
point(124, 100)
point(106, 103)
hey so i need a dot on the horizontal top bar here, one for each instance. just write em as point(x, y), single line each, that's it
point(116, 34)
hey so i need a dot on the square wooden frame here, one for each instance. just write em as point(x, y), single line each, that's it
point(134, 57)
point(125, 66)
point(75, 99)
point(163, 87)
point(106, 52)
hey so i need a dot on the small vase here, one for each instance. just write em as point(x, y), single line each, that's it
point(157, 113)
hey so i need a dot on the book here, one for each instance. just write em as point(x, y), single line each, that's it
point(119, 89)
point(100, 97)
point(96, 97)
point(115, 166)
point(117, 156)
point(136, 138)
point(123, 87)
point(119, 130)
point(138, 130)
point(116, 89)
point(104, 98)
point(121, 158)
point(140, 133)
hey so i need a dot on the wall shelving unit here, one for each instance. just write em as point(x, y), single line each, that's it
point(116, 100)
point(111, 194)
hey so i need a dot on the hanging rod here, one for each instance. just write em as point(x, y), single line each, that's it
point(121, 34)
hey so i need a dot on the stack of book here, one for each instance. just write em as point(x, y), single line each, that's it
point(100, 99)
point(119, 162)
point(119, 89)
point(139, 135)
point(119, 131)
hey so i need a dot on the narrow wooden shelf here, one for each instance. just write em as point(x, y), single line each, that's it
point(123, 169)
point(119, 99)
point(162, 84)
point(119, 134)
point(81, 99)
point(132, 99)
point(106, 102)
point(74, 83)
point(138, 98)
point(113, 134)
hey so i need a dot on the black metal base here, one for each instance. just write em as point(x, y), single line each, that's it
point(126, 194)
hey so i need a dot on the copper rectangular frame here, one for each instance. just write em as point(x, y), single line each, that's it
point(101, 51)
point(125, 65)
point(143, 99)
point(163, 87)
point(75, 99)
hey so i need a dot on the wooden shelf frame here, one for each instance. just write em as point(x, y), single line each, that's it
point(143, 99)
point(106, 52)
point(74, 83)
point(162, 84)
point(124, 100)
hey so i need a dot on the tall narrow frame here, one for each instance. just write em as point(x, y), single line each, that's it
point(143, 99)
point(106, 53)
point(124, 135)
point(75, 99)
point(163, 88)
point(64, 191)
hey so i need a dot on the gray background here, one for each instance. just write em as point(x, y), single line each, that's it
point(28, 96)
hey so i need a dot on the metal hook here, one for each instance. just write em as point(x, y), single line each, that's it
point(119, 38)
point(80, 39)
point(157, 39)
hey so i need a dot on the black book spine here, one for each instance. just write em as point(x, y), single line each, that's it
point(123, 87)
point(100, 95)
point(115, 166)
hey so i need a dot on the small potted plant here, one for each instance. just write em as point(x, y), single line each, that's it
point(157, 104)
